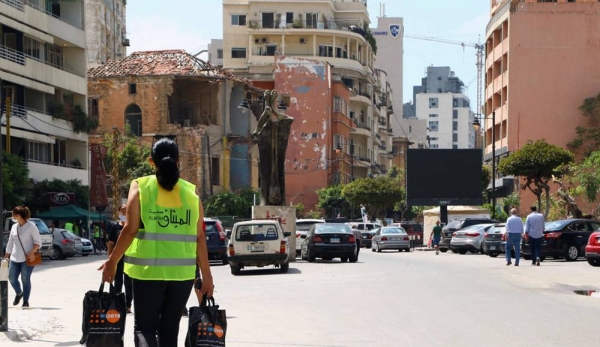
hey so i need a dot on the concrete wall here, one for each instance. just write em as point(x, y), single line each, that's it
point(443, 138)
point(105, 24)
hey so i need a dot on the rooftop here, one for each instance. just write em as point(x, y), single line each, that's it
point(152, 63)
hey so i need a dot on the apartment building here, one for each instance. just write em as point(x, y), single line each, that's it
point(215, 52)
point(105, 28)
point(43, 76)
point(317, 55)
point(541, 63)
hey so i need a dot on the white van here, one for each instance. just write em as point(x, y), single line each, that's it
point(45, 234)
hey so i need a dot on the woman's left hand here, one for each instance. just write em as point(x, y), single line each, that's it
point(30, 256)
point(207, 286)
point(108, 271)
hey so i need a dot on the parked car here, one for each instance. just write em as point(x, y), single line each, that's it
point(45, 234)
point(390, 238)
point(469, 239)
point(592, 249)
point(88, 247)
point(456, 225)
point(216, 240)
point(413, 229)
point(258, 243)
point(79, 245)
point(365, 230)
point(302, 228)
point(366, 237)
point(492, 240)
point(565, 238)
point(63, 244)
point(328, 241)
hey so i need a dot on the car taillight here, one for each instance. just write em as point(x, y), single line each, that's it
point(222, 236)
point(453, 234)
point(282, 247)
point(298, 235)
point(486, 236)
point(317, 239)
point(553, 235)
point(352, 239)
point(472, 234)
point(65, 241)
point(405, 238)
point(231, 251)
point(370, 236)
point(384, 238)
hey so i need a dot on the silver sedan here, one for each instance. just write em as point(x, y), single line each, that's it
point(390, 238)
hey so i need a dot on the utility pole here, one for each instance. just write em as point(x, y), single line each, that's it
point(209, 158)
point(3, 281)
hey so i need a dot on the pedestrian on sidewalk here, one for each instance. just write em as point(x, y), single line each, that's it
point(534, 232)
point(437, 237)
point(513, 235)
point(120, 277)
point(163, 242)
point(23, 242)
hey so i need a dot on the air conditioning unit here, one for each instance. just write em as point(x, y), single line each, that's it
point(265, 40)
point(257, 41)
point(302, 40)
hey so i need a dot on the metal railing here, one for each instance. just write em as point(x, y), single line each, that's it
point(345, 25)
point(17, 111)
point(18, 4)
point(12, 55)
point(363, 126)
point(36, 7)
point(58, 66)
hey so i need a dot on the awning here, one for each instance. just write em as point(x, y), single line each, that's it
point(70, 212)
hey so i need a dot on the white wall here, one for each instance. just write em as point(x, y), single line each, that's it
point(443, 137)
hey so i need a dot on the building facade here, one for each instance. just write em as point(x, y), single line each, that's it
point(536, 76)
point(215, 52)
point(43, 83)
point(106, 32)
point(317, 56)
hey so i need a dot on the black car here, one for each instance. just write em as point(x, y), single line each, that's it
point(456, 225)
point(492, 241)
point(565, 238)
point(216, 240)
point(328, 241)
point(367, 236)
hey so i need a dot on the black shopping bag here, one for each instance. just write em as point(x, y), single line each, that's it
point(207, 325)
point(103, 318)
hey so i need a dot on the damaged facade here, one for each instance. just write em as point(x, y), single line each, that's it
point(170, 93)
point(317, 56)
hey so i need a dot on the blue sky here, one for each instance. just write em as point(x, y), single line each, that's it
point(158, 24)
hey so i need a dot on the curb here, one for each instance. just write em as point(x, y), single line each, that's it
point(424, 249)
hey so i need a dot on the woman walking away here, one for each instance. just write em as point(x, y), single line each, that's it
point(23, 242)
point(163, 241)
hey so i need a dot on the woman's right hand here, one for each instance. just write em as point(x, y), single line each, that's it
point(109, 270)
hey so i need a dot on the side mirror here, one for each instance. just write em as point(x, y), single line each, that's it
point(287, 234)
point(302, 236)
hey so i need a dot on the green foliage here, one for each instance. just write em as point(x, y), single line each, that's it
point(370, 38)
point(76, 116)
point(230, 204)
point(500, 215)
point(536, 163)
point(587, 175)
point(330, 199)
point(587, 138)
point(486, 177)
point(511, 201)
point(299, 210)
point(38, 203)
point(313, 214)
point(15, 181)
point(418, 212)
point(378, 194)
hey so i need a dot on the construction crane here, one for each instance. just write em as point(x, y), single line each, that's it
point(480, 53)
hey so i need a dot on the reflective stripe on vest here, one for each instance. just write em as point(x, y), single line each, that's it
point(153, 236)
point(165, 249)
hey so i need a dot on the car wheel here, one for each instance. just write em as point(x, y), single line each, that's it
point(443, 250)
point(372, 248)
point(224, 260)
point(481, 249)
point(527, 257)
point(284, 268)
point(493, 255)
point(572, 253)
point(84, 255)
point(311, 256)
point(354, 258)
point(235, 269)
point(344, 259)
point(593, 262)
point(462, 251)
point(298, 253)
point(56, 253)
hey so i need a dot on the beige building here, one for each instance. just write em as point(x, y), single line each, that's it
point(105, 26)
point(309, 51)
point(43, 76)
point(541, 63)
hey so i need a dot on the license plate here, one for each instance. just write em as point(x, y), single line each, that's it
point(365, 237)
point(393, 239)
point(493, 248)
point(334, 240)
point(257, 248)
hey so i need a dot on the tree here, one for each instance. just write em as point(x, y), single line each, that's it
point(38, 203)
point(231, 204)
point(378, 194)
point(588, 138)
point(587, 174)
point(299, 210)
point(511, 201)
point(536, 163)
point(15, 184)
point(401, 205)
point(486, 178)
point(332, 201)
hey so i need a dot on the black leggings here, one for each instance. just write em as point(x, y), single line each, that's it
point(157, 311)
point(121, 279)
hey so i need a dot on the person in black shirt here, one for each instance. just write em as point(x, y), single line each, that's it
point(120, 277)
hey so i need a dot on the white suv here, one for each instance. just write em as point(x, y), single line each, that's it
point(258, 243)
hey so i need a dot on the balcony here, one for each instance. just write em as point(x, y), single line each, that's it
point(363, 98)
point(125, 42)
point(350, 25)
point(12, 55)
point(18, 4)
point(76, 22)
point(39, 171)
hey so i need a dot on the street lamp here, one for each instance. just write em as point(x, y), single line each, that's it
point(477, 125)
point(338, 150)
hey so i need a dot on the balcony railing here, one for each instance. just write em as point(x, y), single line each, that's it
point(12, 55)
point(18, 111)
point(41, 9)
point(364, 126)
point(58, 66)
point(18, 4)
point(347, 24)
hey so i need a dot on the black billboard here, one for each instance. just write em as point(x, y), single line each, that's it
point(444, 177)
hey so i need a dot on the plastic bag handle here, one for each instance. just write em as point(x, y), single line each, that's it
point(207, 301)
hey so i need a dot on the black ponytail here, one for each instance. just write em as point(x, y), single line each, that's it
point(165, 155)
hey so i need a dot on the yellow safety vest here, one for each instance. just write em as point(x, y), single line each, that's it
point(69, 226)
point(165, 245)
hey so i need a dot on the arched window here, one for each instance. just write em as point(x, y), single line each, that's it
point(133, 118)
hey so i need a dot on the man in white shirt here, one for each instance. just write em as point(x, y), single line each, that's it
point(514, 232)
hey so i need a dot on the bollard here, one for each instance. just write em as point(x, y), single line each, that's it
point(4, 295)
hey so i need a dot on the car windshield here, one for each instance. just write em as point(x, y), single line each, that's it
point(556, 225)
point(211, 227)
point(305, 226)
point(41, 226)
point(472, 227)
point(332, 228)
point(388, 231)
point(256, 232)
